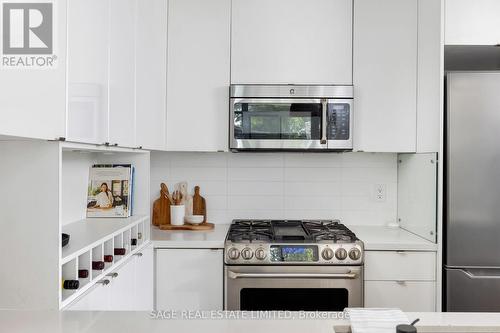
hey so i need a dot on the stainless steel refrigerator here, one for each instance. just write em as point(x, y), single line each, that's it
point(472, 192)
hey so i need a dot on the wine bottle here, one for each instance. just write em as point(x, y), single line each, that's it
point(108, 258)
point(98, 265)
point(120, 251)
point(70, 284)
point(83, 273)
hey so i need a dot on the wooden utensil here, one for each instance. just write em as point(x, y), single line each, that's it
point(161, 207)
point(199, 204)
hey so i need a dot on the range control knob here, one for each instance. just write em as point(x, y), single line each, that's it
point(327, 253)
point(354, 253)
point(247, 253)
point(341, 254)
point(233, 253)
point(260, 253)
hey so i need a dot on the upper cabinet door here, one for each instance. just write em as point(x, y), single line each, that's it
point(291, 42)
point(88, 56)
point(122, 73)
point(385, 75)
point(151, 73)
point(33, 100)
point(472, 22)
point(198, 75)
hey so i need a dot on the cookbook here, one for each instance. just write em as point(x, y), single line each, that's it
point(110, 190)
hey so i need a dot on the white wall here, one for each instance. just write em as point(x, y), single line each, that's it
point(284, 185)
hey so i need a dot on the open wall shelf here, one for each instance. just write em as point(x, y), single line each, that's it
point(91, 232)
point(97, 239)
point(56, 176)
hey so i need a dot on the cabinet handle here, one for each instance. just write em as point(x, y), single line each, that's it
point(401, 282)
point(139, 254)
point(113, 275)
point(324, 104)
point(401, 252)
point(104, 282)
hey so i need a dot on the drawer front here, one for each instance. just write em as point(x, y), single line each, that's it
point(396, 265)
point(408, 296)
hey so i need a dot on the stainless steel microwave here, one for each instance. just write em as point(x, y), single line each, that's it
point(290, 117)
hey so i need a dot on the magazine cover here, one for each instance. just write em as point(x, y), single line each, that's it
point(108, 191)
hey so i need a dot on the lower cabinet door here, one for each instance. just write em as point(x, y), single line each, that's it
point(144, 280)
point(96, 299)
point(189, 279)
point(410, 296)
point(122, 287)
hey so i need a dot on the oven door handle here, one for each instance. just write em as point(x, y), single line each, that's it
point(348, 275)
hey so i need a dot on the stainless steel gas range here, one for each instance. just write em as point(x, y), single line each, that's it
point(295, 265)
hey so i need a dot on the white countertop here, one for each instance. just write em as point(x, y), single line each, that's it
point(119, 322)
point(374, 237)
point(211, 239)
point(381, 238)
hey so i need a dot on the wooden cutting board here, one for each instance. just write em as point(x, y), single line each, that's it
point(200, 227)
point(199, 204)
point(161, 208)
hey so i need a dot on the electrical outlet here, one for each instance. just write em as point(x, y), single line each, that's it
point(380, 192)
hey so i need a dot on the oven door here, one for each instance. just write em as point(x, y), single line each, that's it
point(293, 288)
point(278, 123)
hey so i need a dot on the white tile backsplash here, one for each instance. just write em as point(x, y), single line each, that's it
point(285, 185)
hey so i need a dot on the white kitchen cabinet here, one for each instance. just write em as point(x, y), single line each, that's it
point(151, 74)
point(122, 287)
point(144, 280)
point(117, 72)
point(88, 29)
point(400, 265)
point(429, 75)
point(401, 279)
point(292, 41)
point(189, 279)
point(122, 23)
point(96, 299)
point(32, 100)
point(131, 288)
point(198, 75)
point(409, 296)
point(472, 22)
point(385, 75)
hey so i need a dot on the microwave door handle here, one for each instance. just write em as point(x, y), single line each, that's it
point(324, 103)
point(348, 275)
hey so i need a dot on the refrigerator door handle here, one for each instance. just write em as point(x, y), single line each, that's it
point(473, 276)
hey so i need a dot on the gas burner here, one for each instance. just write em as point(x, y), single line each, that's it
point(250, 230)
point(334, 237)
point(332, 230)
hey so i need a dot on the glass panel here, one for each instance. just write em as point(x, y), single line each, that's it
point(338, 121)
point(293, 299)
point(277, 121)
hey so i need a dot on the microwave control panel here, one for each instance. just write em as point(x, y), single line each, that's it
point(338, 121)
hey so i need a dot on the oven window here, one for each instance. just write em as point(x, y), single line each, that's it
point(277, 121)
point(293, 299)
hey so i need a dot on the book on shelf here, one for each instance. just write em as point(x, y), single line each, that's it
point(110, 190)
